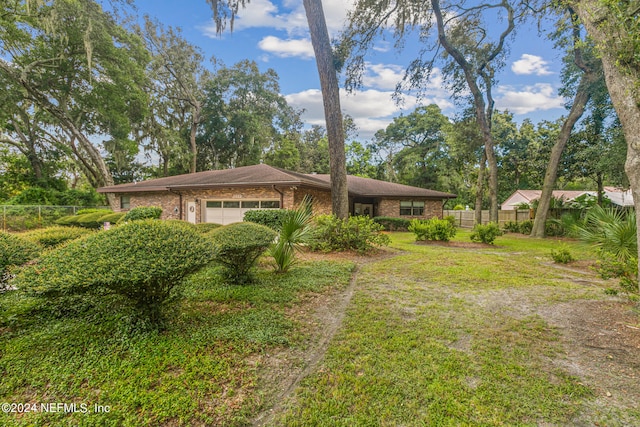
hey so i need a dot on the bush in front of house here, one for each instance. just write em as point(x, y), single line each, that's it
point(271, 218)
point(111, 218)
point(15, 251)
point(141, 212)
point(433, 229)
point(393, 224)
point(358, 233)
point(562, 255)
point(238, 246)
point(142, 261)
point(486, 233)
point(205, 227)
point(525, 227)
point(297, 229)
point(92, 220)
point(55, 236)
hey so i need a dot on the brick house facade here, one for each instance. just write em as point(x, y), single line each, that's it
point(206, 196)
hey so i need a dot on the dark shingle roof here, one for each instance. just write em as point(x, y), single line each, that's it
point(264, 175)
point(367, 187)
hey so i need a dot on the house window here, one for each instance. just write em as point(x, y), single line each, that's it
point(250, 204)
point(228, 205)
point(270, 204)
point(411, 208)
point(125, 202)
point(214, 204)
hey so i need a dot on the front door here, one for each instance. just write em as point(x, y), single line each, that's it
point(191, 212)
point(364, 209)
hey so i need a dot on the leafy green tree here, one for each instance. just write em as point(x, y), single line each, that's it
point(244, 114)
point(314, 151)
point(74, 61)
point(360, 160)
point(177, 78)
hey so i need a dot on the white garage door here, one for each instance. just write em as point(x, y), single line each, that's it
point(229, 211)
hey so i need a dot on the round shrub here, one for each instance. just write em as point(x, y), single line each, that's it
point(54, 236)
point(142, 212)
point(486, 233)
point(433, 229)
point(15, 250)
point(205, 227)
point(143, 261)
point(238, 246)
point(358, 233)
point(271, 218)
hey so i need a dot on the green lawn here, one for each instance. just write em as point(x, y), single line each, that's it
point(433, 335)
point(204, 370)
point(450, 336)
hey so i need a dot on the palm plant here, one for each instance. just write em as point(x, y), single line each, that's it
point(296, 230)
point(612, 231)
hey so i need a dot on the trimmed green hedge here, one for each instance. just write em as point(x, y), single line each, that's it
point(238, 246)
point(486, 233)
point(205, 227)
point(142, 212)
point(92, 220)
point(15, 251)
point(55, 236)
point(271, 218)
point(111, 218)
point(143, 261)
point(393, 224)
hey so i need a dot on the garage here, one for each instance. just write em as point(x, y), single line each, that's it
point(229, 211)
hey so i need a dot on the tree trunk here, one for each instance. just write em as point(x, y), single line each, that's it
point(577, 109)
point(480, 188)
point(622, 86)
point(331, 100)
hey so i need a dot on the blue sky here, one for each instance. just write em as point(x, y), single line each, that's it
point(274, 34)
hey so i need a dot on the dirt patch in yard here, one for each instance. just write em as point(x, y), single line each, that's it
point(601, 340)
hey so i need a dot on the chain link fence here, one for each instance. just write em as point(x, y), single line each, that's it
point(29, 217)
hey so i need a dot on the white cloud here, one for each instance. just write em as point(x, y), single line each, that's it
point(290, 17)
point(287, 48)
point(382, 76)
point(371, 109)
point(539, 97)
point(531, 64)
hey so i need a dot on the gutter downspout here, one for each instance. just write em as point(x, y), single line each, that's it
point(281, 196)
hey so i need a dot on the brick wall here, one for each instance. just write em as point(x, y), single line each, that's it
point(321, 199)
point(391, 207)
point(170, 201)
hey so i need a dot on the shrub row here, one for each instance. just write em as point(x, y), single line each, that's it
point(55, 236)
point(393, 224)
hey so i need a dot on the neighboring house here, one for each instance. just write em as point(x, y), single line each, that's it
point(223, 196)
point(617, 196)
point(528, 196)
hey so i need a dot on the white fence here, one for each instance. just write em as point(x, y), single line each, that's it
point(466, 219)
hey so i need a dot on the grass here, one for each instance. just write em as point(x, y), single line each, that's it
point(435, 335)
point(449, 336)
point(205, 369)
